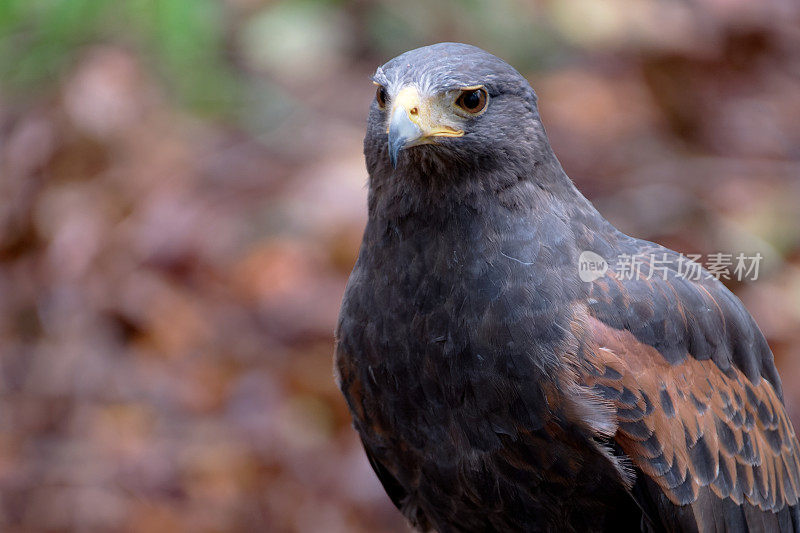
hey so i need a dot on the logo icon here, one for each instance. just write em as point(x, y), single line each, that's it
point(591, 266)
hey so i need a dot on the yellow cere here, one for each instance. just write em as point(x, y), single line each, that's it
point(430, 114)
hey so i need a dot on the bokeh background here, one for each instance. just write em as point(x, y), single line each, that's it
point(182, 194)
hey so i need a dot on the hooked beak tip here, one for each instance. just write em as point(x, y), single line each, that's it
point(402, 131)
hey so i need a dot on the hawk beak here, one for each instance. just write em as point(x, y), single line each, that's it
point(402, 131)
point(416, 120)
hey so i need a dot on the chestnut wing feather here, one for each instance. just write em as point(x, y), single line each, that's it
point(690, 425)
point(697, 397)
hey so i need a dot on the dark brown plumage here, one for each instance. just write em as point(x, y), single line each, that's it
point(493, 389)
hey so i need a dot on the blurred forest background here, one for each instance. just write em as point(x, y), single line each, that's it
point(182, 194)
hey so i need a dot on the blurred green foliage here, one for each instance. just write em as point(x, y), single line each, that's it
point(518, 31)
point(206, 51)
point(40, 39)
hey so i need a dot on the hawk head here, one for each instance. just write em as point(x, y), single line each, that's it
point(452, 106)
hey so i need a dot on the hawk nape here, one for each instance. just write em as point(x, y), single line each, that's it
point(493, 389)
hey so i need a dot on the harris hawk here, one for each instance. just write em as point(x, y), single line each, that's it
point(496, 389)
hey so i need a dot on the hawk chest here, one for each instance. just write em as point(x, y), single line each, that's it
point(445, 340)
point(447, 348)
point(409, 333)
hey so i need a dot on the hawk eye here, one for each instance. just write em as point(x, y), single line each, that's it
point(472, 100)
point(380, 96)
